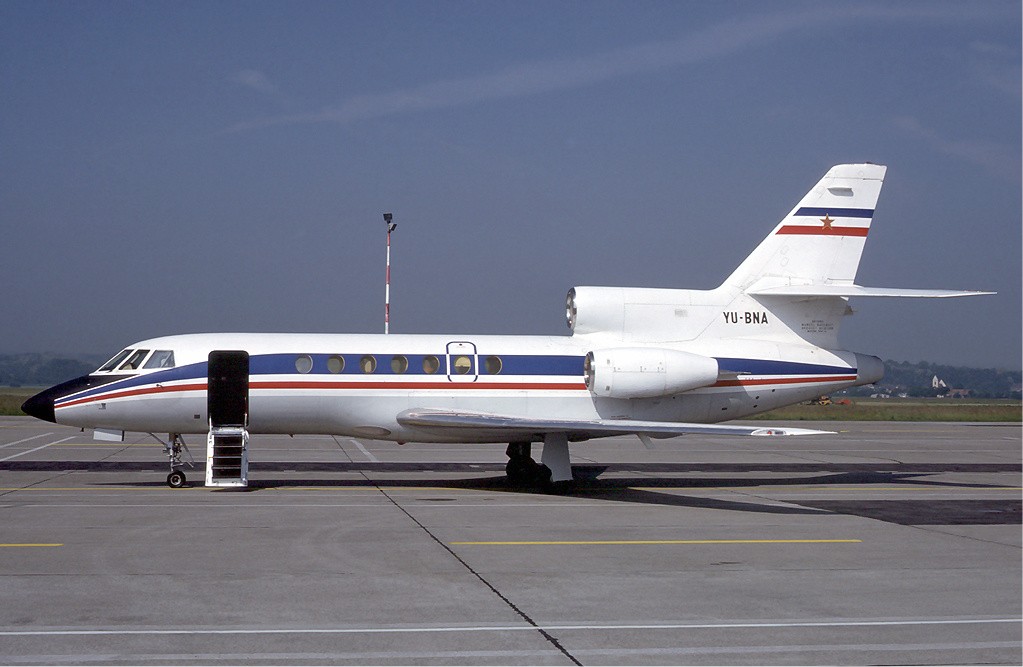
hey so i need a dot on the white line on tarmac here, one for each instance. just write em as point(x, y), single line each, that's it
point(29, 451)
point(18, 442)
point(510, 628)
point(365, 451)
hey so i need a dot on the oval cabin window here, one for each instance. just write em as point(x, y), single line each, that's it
point(462, 365)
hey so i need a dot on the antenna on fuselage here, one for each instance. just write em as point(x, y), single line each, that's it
point(391, 226)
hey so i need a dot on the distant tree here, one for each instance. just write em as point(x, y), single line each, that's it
point(915, 379)
point(40, 369)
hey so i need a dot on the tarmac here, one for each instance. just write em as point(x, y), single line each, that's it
point(889, 543)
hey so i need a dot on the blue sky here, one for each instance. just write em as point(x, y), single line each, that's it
point(223, 166)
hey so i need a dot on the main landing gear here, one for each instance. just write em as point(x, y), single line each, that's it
point(174, 448)
point(554, 472)
point(522, 470)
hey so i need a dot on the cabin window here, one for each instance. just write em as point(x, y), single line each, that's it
point(161, 359)
point(368, 364)
point(134, 361)
point(399, 364)
point(431, 364)
point(303, 363)
point(462, 364)
point(113, 363)
point(336, 364)
point(493, 365)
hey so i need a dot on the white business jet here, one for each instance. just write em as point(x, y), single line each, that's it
point(649, 362)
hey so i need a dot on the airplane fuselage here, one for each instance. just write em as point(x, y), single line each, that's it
point(357, 384)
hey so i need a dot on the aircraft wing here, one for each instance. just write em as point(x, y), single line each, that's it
point(577, 429)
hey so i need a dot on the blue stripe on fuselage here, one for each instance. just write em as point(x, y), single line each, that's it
point(521, 365)
point(771, 367)
point(284, 364)
point(512, 364)
point(836, 212)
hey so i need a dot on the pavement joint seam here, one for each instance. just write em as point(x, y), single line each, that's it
point(543, 632)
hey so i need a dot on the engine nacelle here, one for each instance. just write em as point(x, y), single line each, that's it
point(593, 309)
point(643, 372)
point(639, 313)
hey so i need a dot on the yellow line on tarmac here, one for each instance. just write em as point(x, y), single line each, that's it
point(367, 486)
point(74, 488)
point(363, 487)
point(644, 542)
point(31, 545)
point(797, 488)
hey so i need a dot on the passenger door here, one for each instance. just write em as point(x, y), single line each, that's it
point(462, 362)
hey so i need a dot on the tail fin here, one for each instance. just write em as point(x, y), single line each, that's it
point(802, 274)
point(793, 288)
point(820, 241)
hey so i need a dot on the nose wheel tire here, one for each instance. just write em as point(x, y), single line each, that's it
point(176, 479)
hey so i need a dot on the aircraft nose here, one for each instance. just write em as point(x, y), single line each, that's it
point(40, 406)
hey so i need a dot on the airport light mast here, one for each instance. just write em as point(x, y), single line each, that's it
point(391, 226)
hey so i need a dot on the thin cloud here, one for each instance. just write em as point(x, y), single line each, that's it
point(538, 77)
point(257, 81)
point(997, 66)
point(998, 158)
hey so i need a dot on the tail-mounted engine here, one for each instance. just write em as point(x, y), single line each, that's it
point(636, 313)
point(646, 372)
point(592, 309)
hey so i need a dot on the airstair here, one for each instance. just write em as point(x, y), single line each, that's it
point(227, 455)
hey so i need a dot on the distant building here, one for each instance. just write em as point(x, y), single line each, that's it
point(938, 383)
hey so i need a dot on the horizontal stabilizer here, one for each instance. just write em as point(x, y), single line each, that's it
point(858, 290)
point(580, 429)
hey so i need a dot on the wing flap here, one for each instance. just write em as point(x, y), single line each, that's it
point(580, 429)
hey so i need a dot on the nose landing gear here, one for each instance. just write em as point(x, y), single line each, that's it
point(176, 479)
point(174, 448)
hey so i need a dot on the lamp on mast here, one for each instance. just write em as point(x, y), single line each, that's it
point(391, 226)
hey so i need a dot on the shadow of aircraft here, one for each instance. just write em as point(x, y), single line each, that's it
point(613, 483)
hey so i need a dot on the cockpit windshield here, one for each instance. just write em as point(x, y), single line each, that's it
point(115, 362)
point(161, 359)
point(134, 361)
point(130, 360)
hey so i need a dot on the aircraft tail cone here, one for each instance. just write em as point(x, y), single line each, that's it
point(869, 369)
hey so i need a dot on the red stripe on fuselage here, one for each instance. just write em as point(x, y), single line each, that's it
point(746, 383)
point(822, 231)
point(134, 392)
point(534, 386)
point(418, 385)
point(559, 386)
